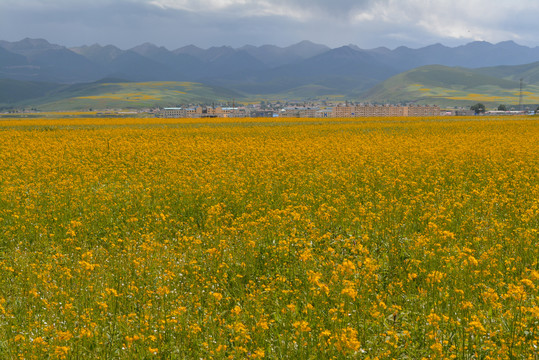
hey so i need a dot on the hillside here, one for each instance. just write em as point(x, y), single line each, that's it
point(442, 85)
point(37, 73)
point(302, 71)
point(14, 91)
point(116, 94)
point(529, 73)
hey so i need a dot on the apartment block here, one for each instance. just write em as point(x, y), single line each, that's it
point(344, 111)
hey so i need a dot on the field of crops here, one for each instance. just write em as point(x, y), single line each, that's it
point(303, 239)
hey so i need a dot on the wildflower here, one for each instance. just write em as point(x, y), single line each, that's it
point(352, 293)
point(301, 326)
point(217, 296)
point(61, 351)
point(64, 335)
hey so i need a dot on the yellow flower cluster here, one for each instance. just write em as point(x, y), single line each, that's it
point(244, 238)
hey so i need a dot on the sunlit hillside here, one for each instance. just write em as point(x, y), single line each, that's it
point(125, 95)
point(449, 86)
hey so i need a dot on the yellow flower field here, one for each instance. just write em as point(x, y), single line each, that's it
point(123, 96)
point(245, 239)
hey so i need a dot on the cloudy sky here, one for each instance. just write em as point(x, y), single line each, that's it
point(205, 23)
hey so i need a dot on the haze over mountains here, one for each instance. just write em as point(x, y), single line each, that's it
point(303, 70)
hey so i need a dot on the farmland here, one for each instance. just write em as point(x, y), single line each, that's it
point(298, 238)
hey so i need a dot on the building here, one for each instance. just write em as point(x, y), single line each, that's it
point(261, 113)
point(324, 113)
point(424, 110)
point(203, 112)
point(464, 112)
point(340, 111)
point(345, 111)
point(174, 112)
point(299, 112)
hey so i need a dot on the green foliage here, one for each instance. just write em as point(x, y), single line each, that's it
point(479, 108)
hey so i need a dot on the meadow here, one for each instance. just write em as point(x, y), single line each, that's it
point(402, 238)
point(112, 95)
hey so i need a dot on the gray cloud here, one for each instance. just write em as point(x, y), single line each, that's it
point(175, 23)
point(296, 9)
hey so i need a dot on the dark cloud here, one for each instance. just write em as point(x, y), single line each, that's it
point(338, 8)
point(123, 23)
point(175, 23)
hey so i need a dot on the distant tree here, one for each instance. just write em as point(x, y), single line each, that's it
point(502, 107)
point(479, 108)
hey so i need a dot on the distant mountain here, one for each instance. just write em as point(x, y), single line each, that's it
point(132, 66)
point(192, 50)
point(185, 67)
point(41, 61)
point(306, 49)
point(148, 62)
point(100, 54)
point(305, 69)
point(473, 55)
point(481, 54)
point(437, 84)
point(338, 71)
point(209, 55)
point(9, 59)
point(29, 47)
point(158, 54)
point(233, 66)
point(274, 56)
point(218, 63)
point(126, 64)
point(63, 65)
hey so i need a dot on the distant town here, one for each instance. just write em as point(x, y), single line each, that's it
point(323, 110)
point(311, 109)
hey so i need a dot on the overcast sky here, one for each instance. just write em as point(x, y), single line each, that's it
point(205, 23)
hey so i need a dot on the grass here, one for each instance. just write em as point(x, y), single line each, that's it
point(246, 238)
point(127, 95)
point(448, 86)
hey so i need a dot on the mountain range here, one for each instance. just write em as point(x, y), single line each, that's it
point(304, 70)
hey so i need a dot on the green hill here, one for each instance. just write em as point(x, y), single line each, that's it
point(529, 73)
point(448, 86)
point(433, 84)
point(117, 94)
point(14, 91)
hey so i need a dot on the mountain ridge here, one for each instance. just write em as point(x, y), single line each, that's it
point(305, 69)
